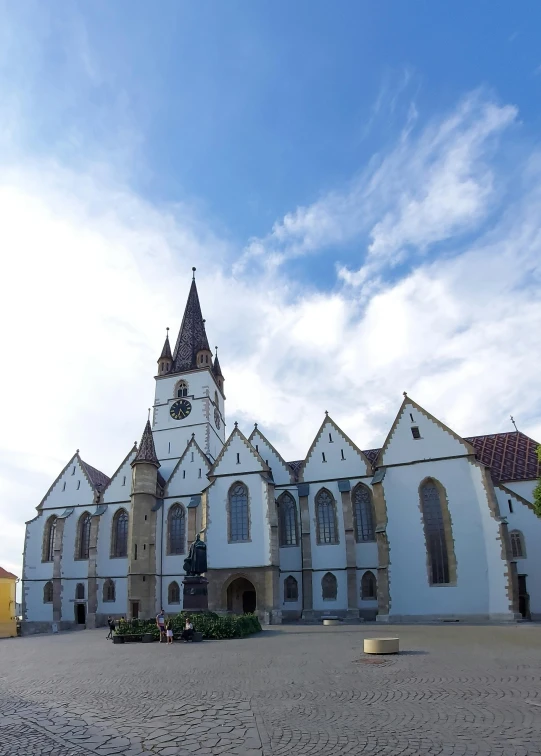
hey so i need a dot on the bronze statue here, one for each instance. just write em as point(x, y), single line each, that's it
point(196, 561)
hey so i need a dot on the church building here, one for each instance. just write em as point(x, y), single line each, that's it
point(429, 527)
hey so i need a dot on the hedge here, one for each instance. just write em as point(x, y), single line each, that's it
point(213, 626)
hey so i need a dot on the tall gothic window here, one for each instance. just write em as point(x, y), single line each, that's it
point(173, 593)
point(368, 586)
point(291, 589)
point(176, 521)
point(48, 539)
point(363, 509)
point(80, 591)
point(434, 527)
point(239, 526)
point(288, 520)
point(517, 544)
point(48, 593)
point(84, 536)
point(182, 389)
point(326, 518)
point(329, 587)
point(120, 534)
point(109, 593)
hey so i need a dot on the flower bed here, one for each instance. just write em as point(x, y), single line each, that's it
point(211, 625)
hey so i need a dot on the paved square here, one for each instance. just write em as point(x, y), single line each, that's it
point(290, 690)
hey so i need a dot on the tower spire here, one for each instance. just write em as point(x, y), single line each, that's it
point(147, 450)
point(165, 360)
point(192, 337)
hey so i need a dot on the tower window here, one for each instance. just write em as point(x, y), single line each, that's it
point(124, 480)
point(199, 473)
point(415, 432)
point(323, 456)
point(184, 473)
point(64, 486)
point(510, 504)
point(342, 453)
point(238, 458)
point(169, 447)
point(257, 448)
point(181, 389)
point(73, 471)
point(330, 439)
point(135, 552)
point(412, 420)
point(78, 484)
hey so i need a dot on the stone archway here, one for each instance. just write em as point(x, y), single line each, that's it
point(241, 596)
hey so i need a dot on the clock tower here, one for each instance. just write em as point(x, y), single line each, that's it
point(189, 399)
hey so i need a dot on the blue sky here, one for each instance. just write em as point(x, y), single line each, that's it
point(358, 184)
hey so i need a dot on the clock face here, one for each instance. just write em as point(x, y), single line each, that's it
point(180, 409)
point(217, 418)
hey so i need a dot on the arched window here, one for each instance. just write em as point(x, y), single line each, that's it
point(80, 591)
point(176, 521)
point(517, 544)
point(48, 593)
point(368, 586)
point(329, 587)
point(239, 526)
point(84, 536)
point(173, 593)
point(181, 389)
point(109, 590)
point(326, 518)
point(438, 543)
point(363, 510)
point(291, 589)
point(288, 520)
point(120, 534)
point(48, 539)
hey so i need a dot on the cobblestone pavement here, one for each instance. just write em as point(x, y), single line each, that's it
point(455, 690)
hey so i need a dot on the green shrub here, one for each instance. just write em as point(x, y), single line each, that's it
point(211, 625)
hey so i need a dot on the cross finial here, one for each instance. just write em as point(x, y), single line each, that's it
point(405, 393)
point(149, 413)
point(513, 421)
point(193, 273)
point(193, 435)
point(216, 348)
point(236, 424)
point(255, 426)
point(326, 412)
point(77, 451)
point(167, 329)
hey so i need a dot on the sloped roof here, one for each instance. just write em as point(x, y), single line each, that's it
point(166, 351)
point(5, 574)
point(147, 450)
point(97, 479)
point(510, 456)
point(295, 466)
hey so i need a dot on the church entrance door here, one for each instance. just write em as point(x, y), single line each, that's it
point(241, 596)
point(80, 614)
point(523, 597)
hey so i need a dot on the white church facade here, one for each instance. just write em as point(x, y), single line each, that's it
point(431, 526)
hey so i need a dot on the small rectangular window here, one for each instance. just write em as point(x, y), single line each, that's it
point(73, 471)
point(135, 552)
point(144, 547)
point(78, 484)
point(199, 472)
point(412, 420)
point(146, 517)
point(124, 481)
point(510, 503)
point(192, 458)
point(323, 456)
point(64, 486)
point(415, 432)
point(330, 439)
point(238, 458)
point(144, 578)
point(257, 448)
point(184, 473)
point(342, 453)
point(169, 447)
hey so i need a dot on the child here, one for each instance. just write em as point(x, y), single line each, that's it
point(169, 629)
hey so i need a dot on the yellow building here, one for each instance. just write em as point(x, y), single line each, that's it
point(8, 623)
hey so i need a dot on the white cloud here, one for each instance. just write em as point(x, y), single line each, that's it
point(92, 274)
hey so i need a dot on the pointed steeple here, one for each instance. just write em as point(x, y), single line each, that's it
point(147, 450)
point(192, 338)
point(217, 370)
point(165, 359)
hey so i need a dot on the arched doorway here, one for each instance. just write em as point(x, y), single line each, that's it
point(241, 596)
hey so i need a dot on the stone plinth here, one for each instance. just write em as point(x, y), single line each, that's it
point(381, 645)
point(195, 594)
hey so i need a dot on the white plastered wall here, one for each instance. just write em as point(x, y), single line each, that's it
point(524, 488)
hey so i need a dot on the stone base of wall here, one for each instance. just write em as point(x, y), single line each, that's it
point(291, 615)
point(412, 619)
point(368, 615)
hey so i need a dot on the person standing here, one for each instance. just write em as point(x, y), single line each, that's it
point(160, 622)
point(169, 630)
point(111, 624)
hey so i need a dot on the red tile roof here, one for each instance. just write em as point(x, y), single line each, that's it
point(5, 574)
point(510, 456)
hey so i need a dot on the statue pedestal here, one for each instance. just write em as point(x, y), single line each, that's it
point(195, 594)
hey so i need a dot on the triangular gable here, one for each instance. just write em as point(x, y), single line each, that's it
point(79, 488)
point(334, 456)
point(514, 495)
point(249, 460)
point(181, 484)
point(436, 439)
point(119, 487)
point(281, 472)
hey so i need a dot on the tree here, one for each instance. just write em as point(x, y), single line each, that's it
point(537, 490)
